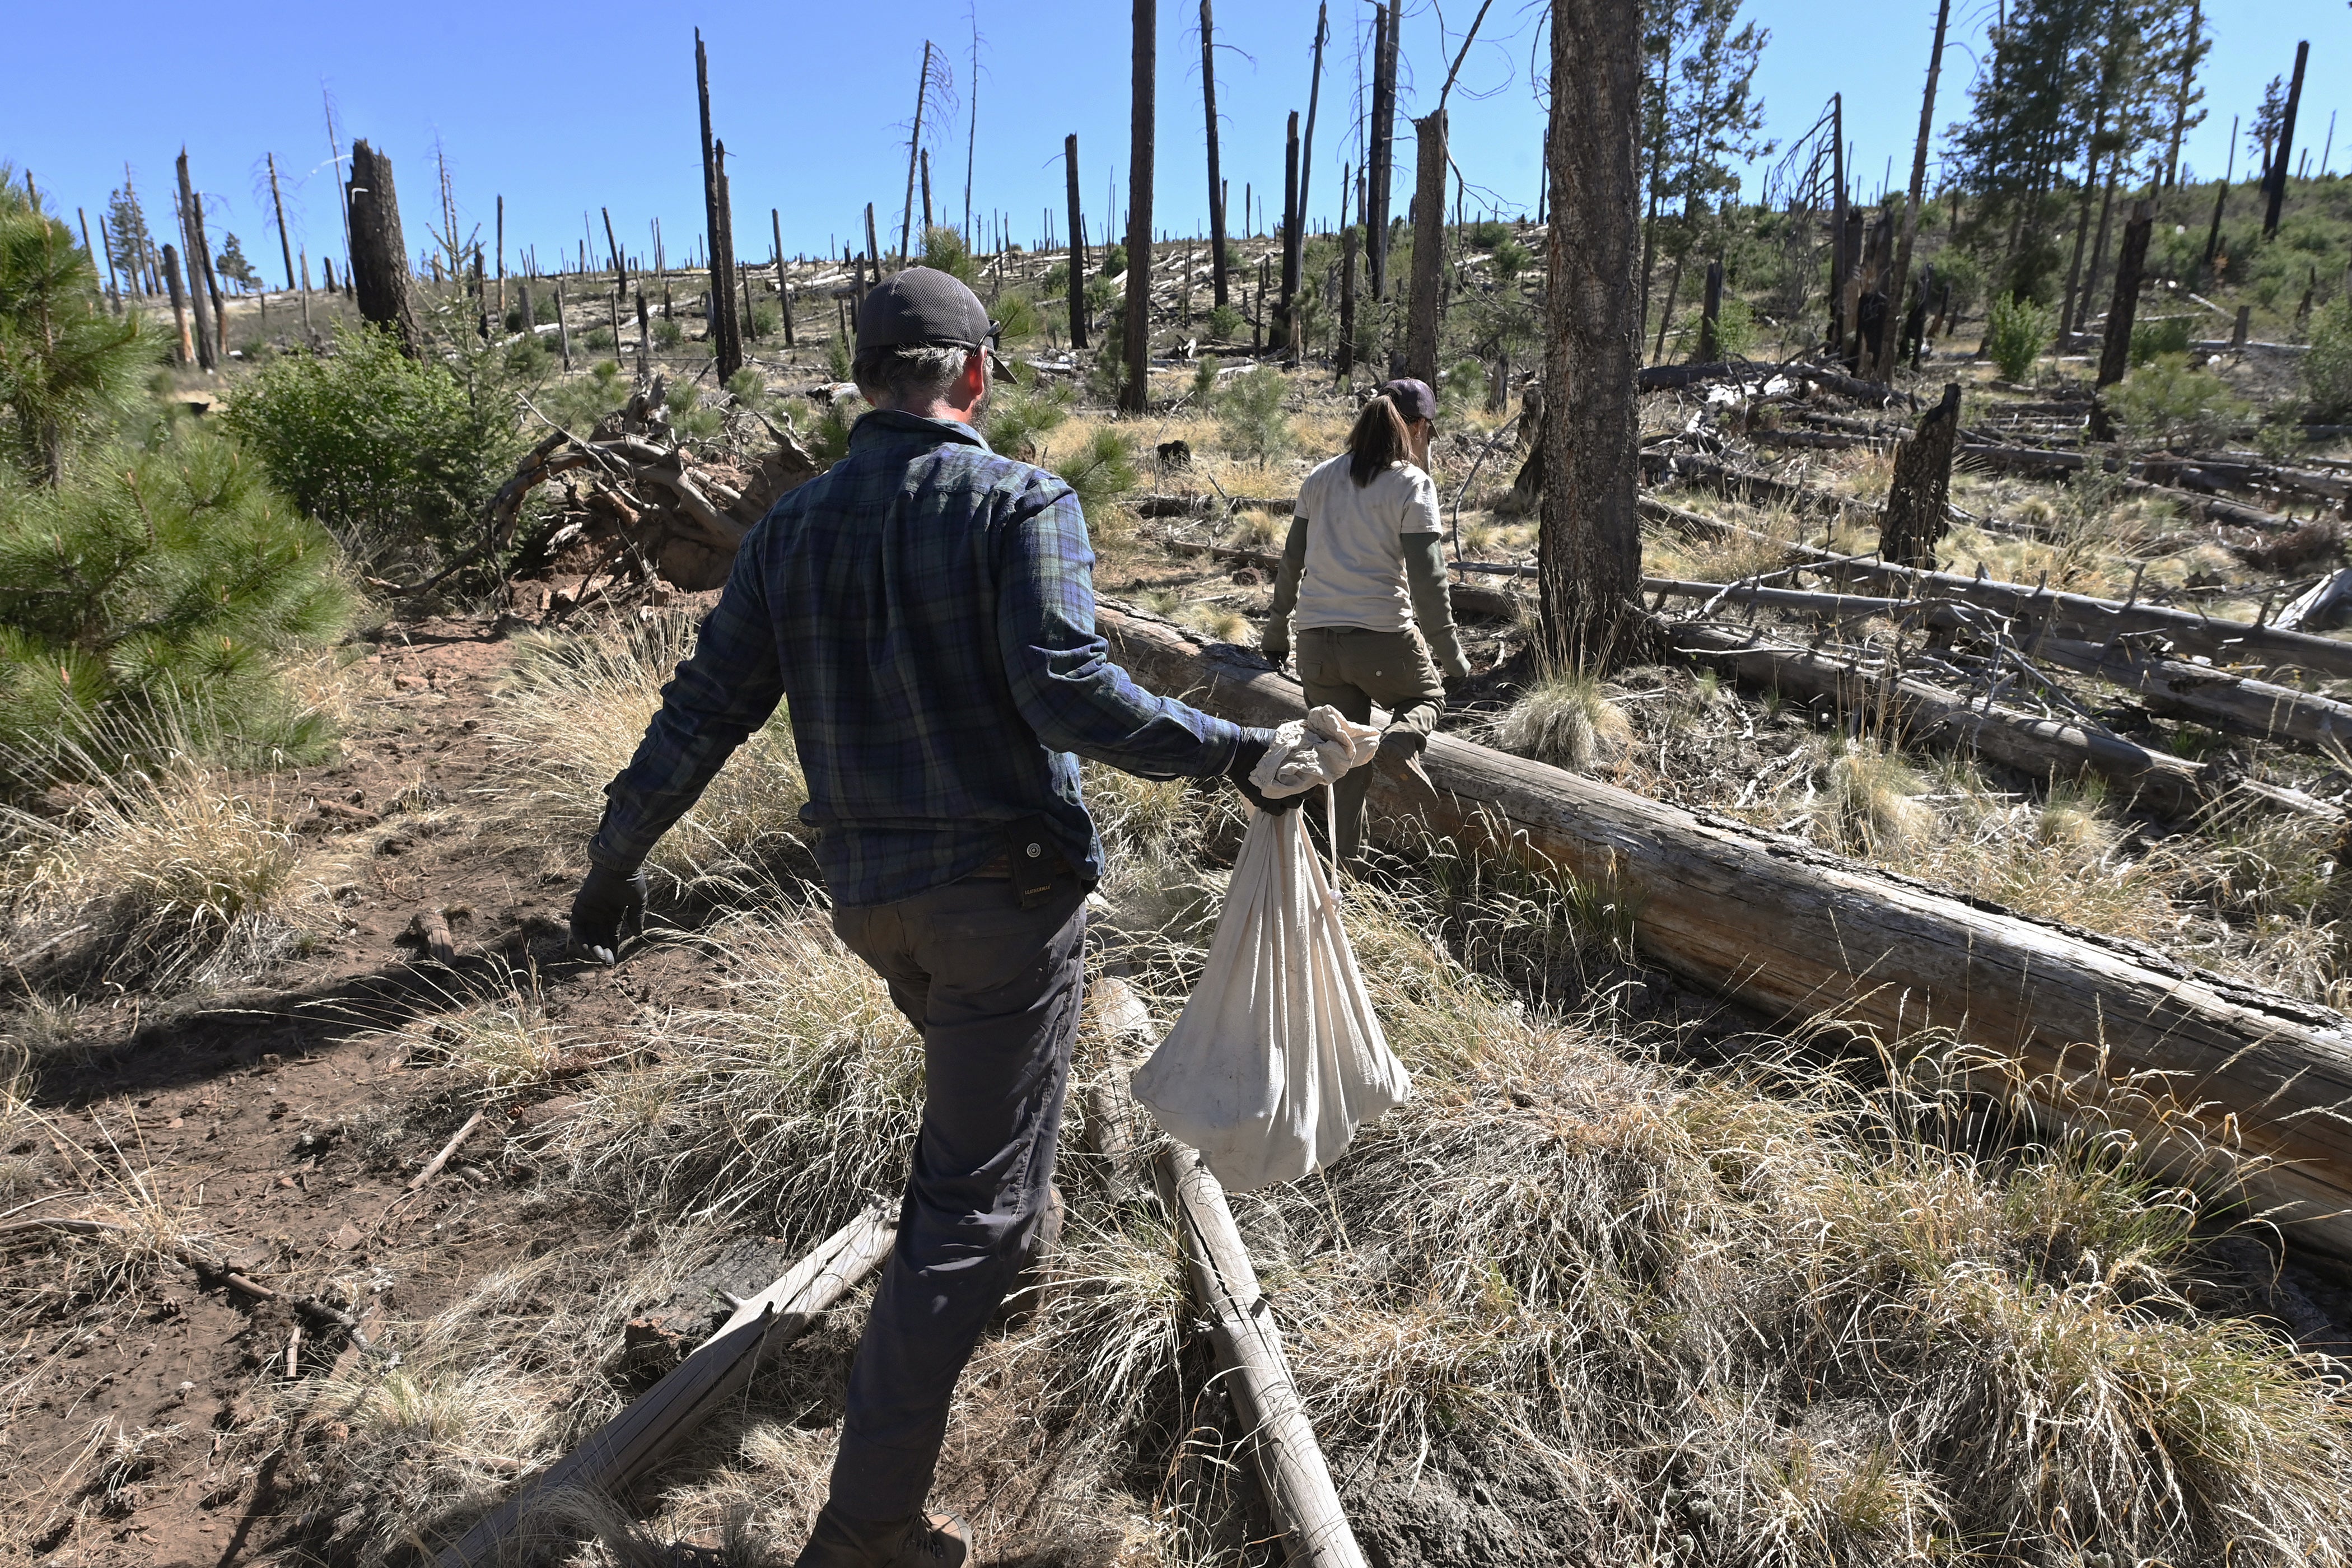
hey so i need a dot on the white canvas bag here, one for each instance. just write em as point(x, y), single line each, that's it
point(1277, 1057)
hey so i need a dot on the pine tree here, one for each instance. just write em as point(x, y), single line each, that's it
point(233, 266)
point(65, 362)
point(126, 228)
point(1699, 117)
point(156, 581)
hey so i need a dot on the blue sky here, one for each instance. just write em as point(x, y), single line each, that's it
point(594, 106)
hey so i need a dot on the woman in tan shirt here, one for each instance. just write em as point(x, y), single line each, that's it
point(1363, 574)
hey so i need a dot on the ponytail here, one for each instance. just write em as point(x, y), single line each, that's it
point(1378, 442)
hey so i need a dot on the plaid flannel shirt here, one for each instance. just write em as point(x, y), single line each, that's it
point(925, 608)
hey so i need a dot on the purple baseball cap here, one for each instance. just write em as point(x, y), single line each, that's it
point(1413, 399)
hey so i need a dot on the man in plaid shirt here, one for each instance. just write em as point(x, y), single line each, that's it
point(927, 609)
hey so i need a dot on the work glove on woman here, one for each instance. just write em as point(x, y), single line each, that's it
point(611, 903)
point(1255, 744)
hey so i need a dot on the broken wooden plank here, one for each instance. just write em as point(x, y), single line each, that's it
point(1298, 1486)
point(1801, 933)
point(633, 1442)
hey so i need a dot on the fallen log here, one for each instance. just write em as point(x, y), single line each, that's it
point(2316, 606)
point(2093, 1024)
point(1298, 1485)
point(1744, 484)
point(2041, 462)
point(2224, 699)
point(633, 1442)
point(1673, 377)
point(2099, 620)
point(2237, 703)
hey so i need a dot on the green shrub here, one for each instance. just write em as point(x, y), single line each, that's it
point(1489, 235)
point(1511, 259)
point(829, 442)
point(1114, 261)
point(747, 388)
point(165, 582)
point(1461, 387)
point(1250, 417)
point(944, 250)
point(1225, 324)
point(1734, 328)
point(2166, 402)
point(579, 403)
point(668, 333)
point(1018, 419)
point(383, 450)
point(597, 338)
point(1017, 318)
point(1205, 380)
point(759, 321)
point(836, 358)
point(2150, 339)
point(2020, 331)
point(1102, 469)
point(66, 365)
point(2326, 369)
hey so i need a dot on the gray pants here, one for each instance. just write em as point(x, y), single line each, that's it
point(1351, 668)
point(995, 990)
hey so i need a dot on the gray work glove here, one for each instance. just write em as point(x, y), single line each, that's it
point(611, 903)
point(1255, 744)
point(1275, 642)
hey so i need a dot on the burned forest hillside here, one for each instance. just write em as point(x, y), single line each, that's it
point(1878, 989)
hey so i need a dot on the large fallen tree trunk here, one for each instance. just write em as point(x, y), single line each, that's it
point(1673, 377)
point(2095, 1024)
point(2046, 464)
point(2038, 748)
point(2237, 703)
point(2100, 620)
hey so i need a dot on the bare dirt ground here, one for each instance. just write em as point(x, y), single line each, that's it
point(287, 1123)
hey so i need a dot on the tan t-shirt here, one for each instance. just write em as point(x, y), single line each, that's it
point(1355, 565)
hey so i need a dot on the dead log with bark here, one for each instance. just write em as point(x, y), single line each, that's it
point(1675, 377)
point(2095, 1029)
point(2042, 462)
point(637, 1439)
point(1299, 1490)
point(2101, 620)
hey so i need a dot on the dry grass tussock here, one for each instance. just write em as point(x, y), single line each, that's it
point(571, 716)
point(158, 875)
point(1568, 718)
point(1767, 1316)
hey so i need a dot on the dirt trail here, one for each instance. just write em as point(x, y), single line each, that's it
point(286, 1122)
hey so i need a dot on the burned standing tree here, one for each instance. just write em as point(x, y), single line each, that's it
point(182, 351)
point(1216, 182)
point(1589, 548)
point(1902, 276)
point(1291, 250)
point(378, 263)
point(1077, 246)
point(1381, 139)
point(2114, 354)
point(725, 345)
point(1135, 395)
point(1429, 224)
point(1915, 515)
point(2283, 160)
point(192, 228)
point(914, 145)
point(277, 203)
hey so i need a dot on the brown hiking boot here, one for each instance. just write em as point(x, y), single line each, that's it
point(926, 1540)
point(1022, 1301)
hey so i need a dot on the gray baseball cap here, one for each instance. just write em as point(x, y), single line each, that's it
point(922, 305)
point(1413, 399)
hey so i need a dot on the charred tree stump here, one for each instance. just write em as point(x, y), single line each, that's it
point(1284, 303)
point(1345, 354)
point(1711, 313)
point(2115, 353)
point(379, 265)
point(1428, 246)
point(1913, 518)
point(192, 228)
